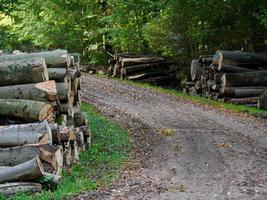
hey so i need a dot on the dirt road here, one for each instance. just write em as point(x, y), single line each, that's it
point(185, 150)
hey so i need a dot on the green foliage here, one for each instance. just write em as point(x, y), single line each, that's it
point(98, 166)
point(181, 29)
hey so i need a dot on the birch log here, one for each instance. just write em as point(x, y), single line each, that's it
point(17, 135)
point(23, 71)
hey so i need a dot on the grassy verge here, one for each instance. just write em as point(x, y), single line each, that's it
point(198, 99)
point(98, 167)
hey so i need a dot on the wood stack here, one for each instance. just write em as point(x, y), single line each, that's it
point(149, 69)
point(42, 129)
point(233, 76)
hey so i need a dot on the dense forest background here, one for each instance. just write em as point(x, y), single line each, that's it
point(179, 29)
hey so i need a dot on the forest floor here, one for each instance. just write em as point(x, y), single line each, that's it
point(182, 150)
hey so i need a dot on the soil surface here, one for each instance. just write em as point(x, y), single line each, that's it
point(182, 150)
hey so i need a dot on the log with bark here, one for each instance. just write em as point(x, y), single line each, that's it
point(26, 171)
point(258, 78)
point(44, 91)
point(26, 110)
point(238, 58)
point(23, 71)
point(17, 135)
point(18, 187)
point(239, 92)
point(53, 59)
point(135, 61)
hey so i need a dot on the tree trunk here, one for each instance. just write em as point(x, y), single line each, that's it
point(244, 79)
point(57, 74)
point(26, 171)
point(44, 91)
point(195, 70)
point(238, 58)
point(13, 188)
point(23, 71)
point(262, 102)
point(240, 92)
point(53, 59)
point(135, 61)
point(26, 110)
point(17, 135)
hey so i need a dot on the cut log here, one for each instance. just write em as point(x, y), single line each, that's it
point(262, 101)
point(55, 130)
point(57, 74)
point(26, 171)
point(240, 92)
point(23, 71)
point(238, 58)
point(16, 135)
point(145, 67)
point(63, 91)
point(235, 69)
point(44, 91)
point(244, 79)
point(244, 101)
point(26, 110)
point(18, 187)
point(58, 162)
point(135, 61)
point(146, 75)
point(53, 59)
point(190, 84)
point(80, 119)
point(16, 155)
point(67, 134)
point(195, 70)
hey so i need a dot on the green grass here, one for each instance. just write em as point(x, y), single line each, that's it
point(98, 167)
point(201, 100)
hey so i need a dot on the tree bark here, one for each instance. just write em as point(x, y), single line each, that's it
point(238, 58)
point(240, 92)
point(23, 71)
point(26, 110)
point(244, 79)
point(57, 74)
point(26, 171)
point(243, 101)
point(44, 91)
point(53, 59)
point(18, 187)
point(17, 135)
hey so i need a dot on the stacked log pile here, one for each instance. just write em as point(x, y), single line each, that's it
point(42, 129)
point(233, 76)
point(149, 69)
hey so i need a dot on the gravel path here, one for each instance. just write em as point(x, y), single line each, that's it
point(182, 150)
